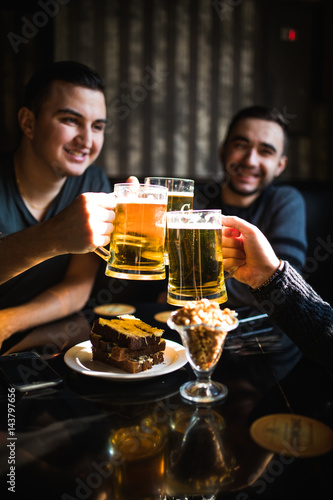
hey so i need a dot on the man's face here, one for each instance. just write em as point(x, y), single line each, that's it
point(68, 133)
point(252, 156)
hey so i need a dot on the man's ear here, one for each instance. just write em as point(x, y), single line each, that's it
point(26, 119)
point(281, 166)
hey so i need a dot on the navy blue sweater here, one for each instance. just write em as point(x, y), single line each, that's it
point(301, 313)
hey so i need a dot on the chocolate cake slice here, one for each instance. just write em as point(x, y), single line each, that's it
point(127, 343)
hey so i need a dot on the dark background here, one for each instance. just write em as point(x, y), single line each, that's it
point(212, 57)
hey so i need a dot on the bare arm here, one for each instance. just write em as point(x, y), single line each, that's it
point(82, 226)
point(57, 302)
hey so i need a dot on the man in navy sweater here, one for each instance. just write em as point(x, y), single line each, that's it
point(253, 155)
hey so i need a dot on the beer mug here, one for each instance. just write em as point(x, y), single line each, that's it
point(137, 241)
point(180, 197)
point(180, 191)
point(195, 256)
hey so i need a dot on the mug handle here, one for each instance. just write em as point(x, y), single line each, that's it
point(103, 253)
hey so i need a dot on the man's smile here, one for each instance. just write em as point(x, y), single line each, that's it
point(76, 154)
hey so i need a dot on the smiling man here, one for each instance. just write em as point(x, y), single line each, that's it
point(62, 120)
point(253, 155)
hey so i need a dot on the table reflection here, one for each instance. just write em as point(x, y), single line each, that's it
point(137, 455)
point(199, 460)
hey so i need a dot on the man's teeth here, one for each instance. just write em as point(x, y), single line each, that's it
point(75, 153)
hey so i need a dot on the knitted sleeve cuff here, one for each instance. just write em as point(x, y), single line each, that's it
point(276, 280)
point(272, 278)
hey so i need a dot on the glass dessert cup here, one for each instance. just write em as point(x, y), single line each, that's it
point(203, 346)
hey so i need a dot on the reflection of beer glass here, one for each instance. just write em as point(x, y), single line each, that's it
point(137, 454)
point(195, 256)
point(137, 240)
point(180, 196)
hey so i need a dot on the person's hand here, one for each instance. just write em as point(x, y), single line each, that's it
point(260, 259)
point(84, 225)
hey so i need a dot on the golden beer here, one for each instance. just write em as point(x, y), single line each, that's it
point(180, 197)
point(180, 201)
point(137, 241)
point(195, 261)
point(177, 201)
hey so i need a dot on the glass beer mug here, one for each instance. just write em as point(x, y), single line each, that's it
point(180, 197)
point(195, 256)
point(137, 241)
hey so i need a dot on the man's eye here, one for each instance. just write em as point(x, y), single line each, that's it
point(69, 119)
point(266, 152)
point(99, 127)
point(241, 145)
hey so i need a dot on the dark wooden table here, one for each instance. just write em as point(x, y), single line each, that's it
point(98, 439)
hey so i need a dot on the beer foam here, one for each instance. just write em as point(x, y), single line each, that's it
point(150, 200)
point(194, 225)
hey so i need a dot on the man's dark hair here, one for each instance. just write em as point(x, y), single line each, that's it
point(262, 113)
point(38, 88)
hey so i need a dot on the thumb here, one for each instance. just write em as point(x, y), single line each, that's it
point(133, 180)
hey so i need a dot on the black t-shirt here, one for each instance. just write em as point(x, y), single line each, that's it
point(15, 216)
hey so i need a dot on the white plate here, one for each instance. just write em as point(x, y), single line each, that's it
point(79, 358)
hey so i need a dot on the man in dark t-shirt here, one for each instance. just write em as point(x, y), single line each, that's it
point(62, 122)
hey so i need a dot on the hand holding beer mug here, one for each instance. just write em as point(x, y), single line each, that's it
point(195, 256)
point(180, 197)
point(137, 241)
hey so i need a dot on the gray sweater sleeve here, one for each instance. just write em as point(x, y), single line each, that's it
point(300, 312)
